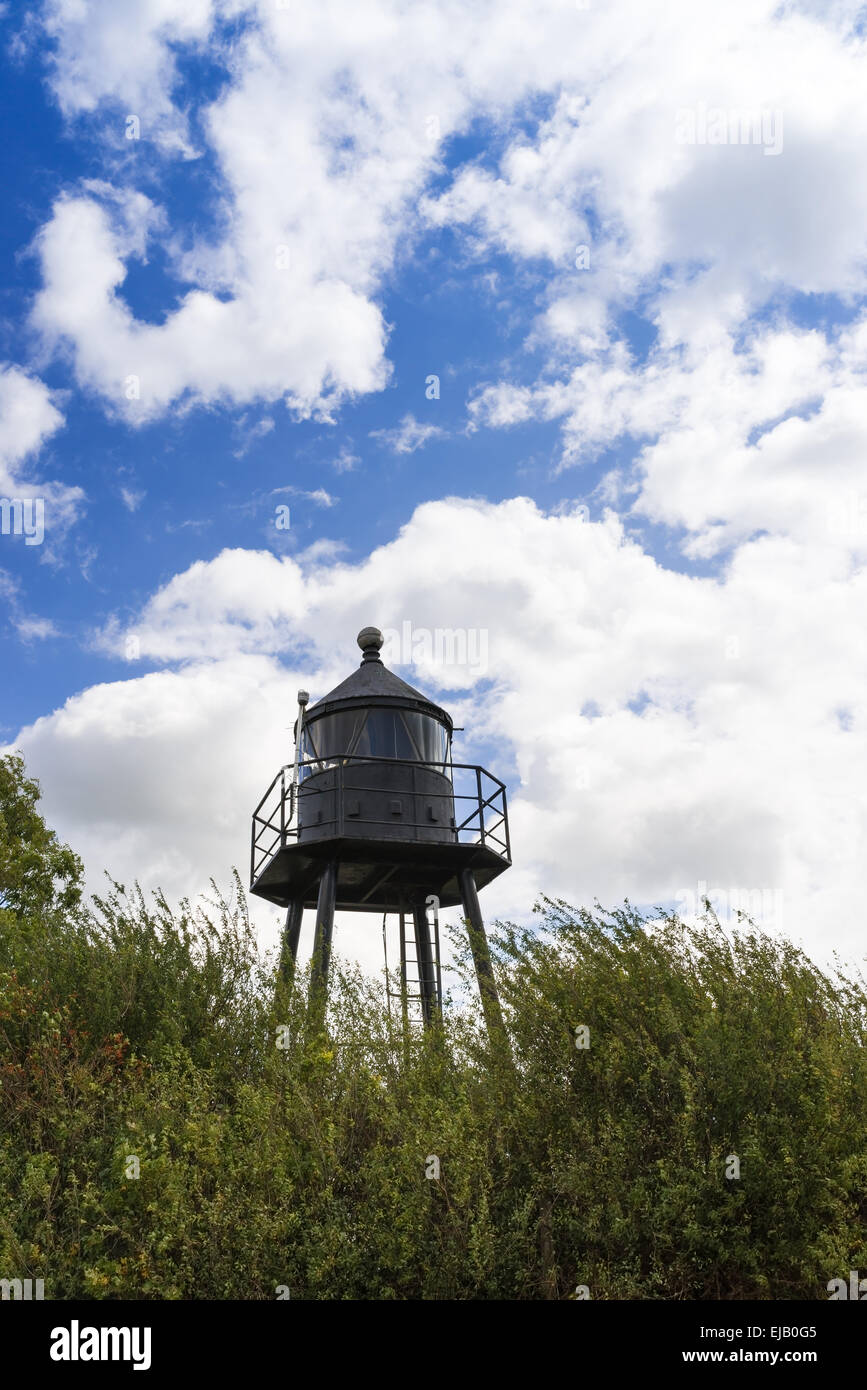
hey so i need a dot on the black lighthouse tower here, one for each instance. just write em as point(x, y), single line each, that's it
point(375, 816)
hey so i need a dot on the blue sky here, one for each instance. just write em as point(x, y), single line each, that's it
point(208, 479)
point(642, 476)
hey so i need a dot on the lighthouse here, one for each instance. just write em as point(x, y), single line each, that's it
point(375, 816)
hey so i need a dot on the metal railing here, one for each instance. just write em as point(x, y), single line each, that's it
point(484, 821)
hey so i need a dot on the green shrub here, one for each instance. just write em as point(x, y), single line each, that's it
point(156, 1142)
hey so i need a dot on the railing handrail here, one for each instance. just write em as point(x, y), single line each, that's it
point(343, 759)
point(275, 820)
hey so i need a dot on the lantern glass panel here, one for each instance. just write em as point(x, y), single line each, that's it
point(327, 739)
point(373, 733)
point(385, 736)
point(429, 737)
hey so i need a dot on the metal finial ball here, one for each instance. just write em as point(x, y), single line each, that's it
point(370, 639)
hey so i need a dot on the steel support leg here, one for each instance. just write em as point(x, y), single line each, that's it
point(291, 935)
point(481, 953)
point(430, 1004)
point(324, 928)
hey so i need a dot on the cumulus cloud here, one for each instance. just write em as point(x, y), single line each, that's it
point(657, 730)
point(283, 335)
point(28, 418)
point(280, 300)
point(612, 168)
point(127, 58)
point(765, 434)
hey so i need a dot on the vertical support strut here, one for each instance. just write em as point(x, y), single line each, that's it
point(404, 1002)
point(481, 953)
point(324, 930)
point(430, 1003)
point(291, 935)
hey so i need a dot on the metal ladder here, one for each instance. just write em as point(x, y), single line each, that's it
point(410, 994)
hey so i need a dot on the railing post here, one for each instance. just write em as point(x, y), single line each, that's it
point(479, 800)
point(506, 819)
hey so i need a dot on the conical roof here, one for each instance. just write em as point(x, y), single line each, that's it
point(370, 680)
point(373, 682)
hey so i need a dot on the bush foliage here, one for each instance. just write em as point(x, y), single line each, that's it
point(129, 1031)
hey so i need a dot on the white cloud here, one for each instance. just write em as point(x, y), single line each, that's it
point(657, 730)
point(666, 730)
point(283, 335)
point(766, 434)
point(132, 499)
point(319, 495)
point(610, 145)
point(250, 434)
point(126, 57)
point(31, 629)
point(28, 626)
point(357, 100)
point(408, 436)
point(28, 419)
point(346, 461)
